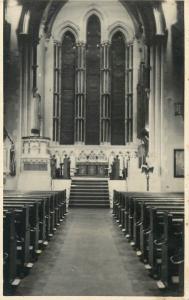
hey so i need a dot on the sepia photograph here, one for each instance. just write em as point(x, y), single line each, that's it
point(93, 148)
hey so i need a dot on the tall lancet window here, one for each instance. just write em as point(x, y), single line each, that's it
point(57, 93)
point(129, 96)
point(93, 81)
point(68, 89)
point(118, 59)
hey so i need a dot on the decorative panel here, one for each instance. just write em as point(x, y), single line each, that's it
point(35, 166)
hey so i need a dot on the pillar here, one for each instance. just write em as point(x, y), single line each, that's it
point(24, 45)
point(105, 104)
point(80, 99)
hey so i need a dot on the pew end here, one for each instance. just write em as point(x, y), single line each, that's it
point(15, 282)
point(161, 285)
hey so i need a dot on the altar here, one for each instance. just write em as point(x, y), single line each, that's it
point(96, 169)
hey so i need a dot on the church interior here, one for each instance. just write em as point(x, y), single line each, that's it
point(93, 148)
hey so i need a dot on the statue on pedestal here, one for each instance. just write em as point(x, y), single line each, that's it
point(12, 161)
point(36, 113)
point(53, 167)
point(66, 167)
point(116, 168)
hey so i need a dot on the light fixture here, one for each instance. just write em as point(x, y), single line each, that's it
point(179, 109)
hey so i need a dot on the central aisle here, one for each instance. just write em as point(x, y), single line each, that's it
point(88, 256)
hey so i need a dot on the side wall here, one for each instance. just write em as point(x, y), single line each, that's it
point(173, 126)
point(12, 84)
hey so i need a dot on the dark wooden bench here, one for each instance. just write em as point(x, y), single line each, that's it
point(22, 228)
point(33, 218)
point(9, 250)
point(43, 209)
point(171, 250)
point(146, 219)
point(145, 228)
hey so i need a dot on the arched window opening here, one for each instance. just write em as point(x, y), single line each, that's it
point(129, 95)
point(143, 90)
point(118, 89)
point(67, 88)
point(93, 81)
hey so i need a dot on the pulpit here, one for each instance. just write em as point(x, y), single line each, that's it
point(35, 164)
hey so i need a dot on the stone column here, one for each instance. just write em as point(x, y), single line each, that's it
point(105, 104)
point(35, 99)
point(80, 99)
point(155, 112)
point(24, 46)
point(158, 116)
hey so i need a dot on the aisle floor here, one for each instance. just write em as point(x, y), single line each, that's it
point(88, 256)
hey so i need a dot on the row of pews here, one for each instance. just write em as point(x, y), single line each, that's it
point(153, 223)
point(30, 219)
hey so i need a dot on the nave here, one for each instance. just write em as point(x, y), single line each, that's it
point(88, 256)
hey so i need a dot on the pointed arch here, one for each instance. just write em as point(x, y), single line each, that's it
point(127, 32)
point(66, 26)
point(93, 79)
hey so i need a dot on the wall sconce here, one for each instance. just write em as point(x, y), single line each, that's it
point(135, 154)
point(179, 109)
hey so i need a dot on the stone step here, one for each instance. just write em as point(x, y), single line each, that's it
point(79, 205)
point(89, 193)
point(88, 196)
point(89, 189)
point(90, 183)
point(89, 201)
point(100, 191)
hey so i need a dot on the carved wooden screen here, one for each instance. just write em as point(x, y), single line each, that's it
point(93, 81)
point(118, 89)
point(68, 89)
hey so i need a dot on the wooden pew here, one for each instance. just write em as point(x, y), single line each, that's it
point(57, 206)
point(145, 228)
point(55, 209)
point(33, 219)
point(22, 228)
point(123, 208)
point(156, 234)
point(41, 226)
point(144, 219)
point(136, 200)
point(171, 266)
point(9, 251)
point(36, 216)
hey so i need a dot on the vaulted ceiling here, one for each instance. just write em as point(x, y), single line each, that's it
point(45, 12)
